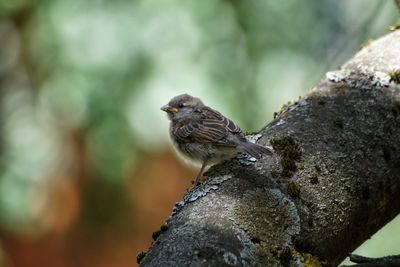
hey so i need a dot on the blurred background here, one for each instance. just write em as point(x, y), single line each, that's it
point(86, 168)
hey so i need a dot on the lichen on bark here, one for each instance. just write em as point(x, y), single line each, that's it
point(339, 184)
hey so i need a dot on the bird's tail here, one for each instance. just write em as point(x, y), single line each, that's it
point(255, 150)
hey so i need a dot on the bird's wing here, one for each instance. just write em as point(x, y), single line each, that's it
point(213, 128)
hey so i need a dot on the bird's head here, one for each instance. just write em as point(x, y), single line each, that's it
point(181, 107)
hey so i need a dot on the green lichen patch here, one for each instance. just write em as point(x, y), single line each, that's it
point(311, 261)
point(251, 212)
point(313, 177)
point(284, 107)
point(289, 152)
point(156, 234)
point(164, 227)
point(308, 259)
point(293, 189)
point(394, 27)
point(366, 43)
point(395, 76)
point(140, 256)
point(265, 216)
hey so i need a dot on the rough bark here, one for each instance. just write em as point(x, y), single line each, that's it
point(333, 180)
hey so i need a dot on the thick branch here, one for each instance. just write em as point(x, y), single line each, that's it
point(390, 261)
point(334, 179)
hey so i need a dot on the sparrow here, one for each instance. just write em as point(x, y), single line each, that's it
point(203, 135)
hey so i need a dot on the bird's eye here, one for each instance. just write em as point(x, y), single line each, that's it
point(181, 105)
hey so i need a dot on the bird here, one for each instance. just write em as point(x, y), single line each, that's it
point(203, 135)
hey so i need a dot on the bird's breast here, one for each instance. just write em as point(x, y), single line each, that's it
point(198, 153)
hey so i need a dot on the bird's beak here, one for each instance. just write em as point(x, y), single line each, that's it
point(168, 108)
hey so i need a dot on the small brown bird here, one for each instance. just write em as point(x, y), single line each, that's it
point(204, 135)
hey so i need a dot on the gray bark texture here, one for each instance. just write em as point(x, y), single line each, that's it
point(333, 181)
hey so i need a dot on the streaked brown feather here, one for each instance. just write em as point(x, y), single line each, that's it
point(213, 128)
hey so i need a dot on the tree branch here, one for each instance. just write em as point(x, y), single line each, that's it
point(390, 261)
point(333, 181)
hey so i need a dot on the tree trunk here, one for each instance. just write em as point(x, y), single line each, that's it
point(333, 181)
